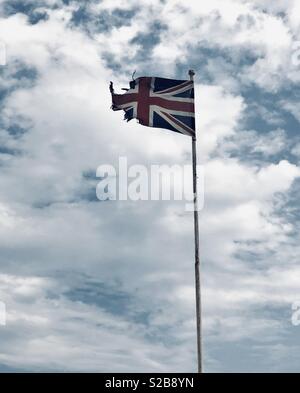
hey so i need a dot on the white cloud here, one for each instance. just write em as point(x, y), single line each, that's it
point(218, 113)
point(144, 249)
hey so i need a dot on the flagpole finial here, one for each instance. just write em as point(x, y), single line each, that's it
point(191, 74)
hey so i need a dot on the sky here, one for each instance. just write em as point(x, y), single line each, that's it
point(109, 286)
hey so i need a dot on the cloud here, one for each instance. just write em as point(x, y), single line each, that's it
point(111, 285)
point(39, 318)
point(296, 150)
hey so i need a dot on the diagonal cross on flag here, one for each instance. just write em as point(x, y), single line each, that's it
point(159, 102)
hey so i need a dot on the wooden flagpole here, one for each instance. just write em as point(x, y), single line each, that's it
point(197, 256)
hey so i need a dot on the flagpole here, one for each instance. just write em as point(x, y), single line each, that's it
point(197, 256)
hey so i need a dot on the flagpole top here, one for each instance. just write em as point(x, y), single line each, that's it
point(191, 74)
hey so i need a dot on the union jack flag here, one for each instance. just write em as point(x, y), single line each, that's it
point(159, 102)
